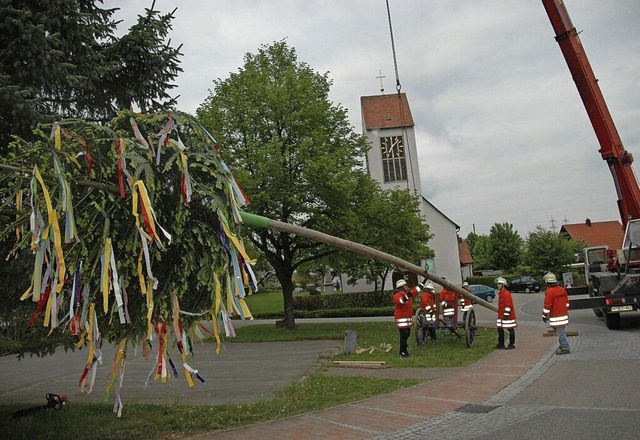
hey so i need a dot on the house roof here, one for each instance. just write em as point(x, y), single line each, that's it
point(386, 111)
point(465, 254)
point(609, 233)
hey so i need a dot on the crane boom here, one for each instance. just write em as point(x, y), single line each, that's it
point(611, 149)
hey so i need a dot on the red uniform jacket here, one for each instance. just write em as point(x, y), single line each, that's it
point(556, 306)
point(448, 300)
point(428, 302)
point(403, 311)
point(506, 311)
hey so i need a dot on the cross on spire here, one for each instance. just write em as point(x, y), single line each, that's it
point(380, 76)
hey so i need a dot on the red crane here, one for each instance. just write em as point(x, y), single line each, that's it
point(612, 151)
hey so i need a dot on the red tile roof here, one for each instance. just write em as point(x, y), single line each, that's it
point(465, 254)
point(386, 111)
point(608, 233)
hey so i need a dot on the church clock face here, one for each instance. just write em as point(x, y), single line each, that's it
point(392, 147)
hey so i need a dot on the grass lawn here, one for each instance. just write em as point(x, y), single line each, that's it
point(447, 351)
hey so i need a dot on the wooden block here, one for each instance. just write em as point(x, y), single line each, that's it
point(360, 364)
point(552, 333)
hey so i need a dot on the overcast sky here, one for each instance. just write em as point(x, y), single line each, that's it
point(502, 134)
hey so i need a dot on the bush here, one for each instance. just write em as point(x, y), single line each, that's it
point(343, 301)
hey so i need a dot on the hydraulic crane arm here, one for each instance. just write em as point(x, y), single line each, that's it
point(611, 148)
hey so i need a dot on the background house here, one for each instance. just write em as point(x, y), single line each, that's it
point(466, 260)
point(609, 233)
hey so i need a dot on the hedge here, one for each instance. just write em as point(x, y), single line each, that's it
point(343, 301)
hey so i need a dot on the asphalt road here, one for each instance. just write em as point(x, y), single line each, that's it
point(593, 393)
point(241, 373)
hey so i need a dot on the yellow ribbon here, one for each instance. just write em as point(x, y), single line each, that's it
point(150, 310)
point(146, 203)
point(141, 280)
point(216, 310)
point(104, 284)
point(235, 240)
point(47, 313)
point(58, 141)
point(116, 365)
point(92, 348)
point(53, 223)
point(245, 309)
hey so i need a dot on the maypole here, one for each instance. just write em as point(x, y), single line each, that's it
point(264, 222)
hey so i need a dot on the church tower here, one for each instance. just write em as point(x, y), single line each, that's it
point(393, 157)
point(392, 160)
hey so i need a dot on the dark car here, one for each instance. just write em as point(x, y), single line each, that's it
point(483, 292)
point(524, 284)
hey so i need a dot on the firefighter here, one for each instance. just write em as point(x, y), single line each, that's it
point(428, 304)
point(506, 316)
point(465, 303)
point(448, 300)
point(403, 312)
point(555, 311)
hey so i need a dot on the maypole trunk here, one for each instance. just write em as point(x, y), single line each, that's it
point(264, 222)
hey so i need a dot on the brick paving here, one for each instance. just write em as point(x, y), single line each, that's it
point(490, 381)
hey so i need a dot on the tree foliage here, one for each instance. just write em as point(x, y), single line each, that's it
point(389, 221)
point(479, 248)
point(547, 251)
point(100, 198)
point(505, 246)
point(62, 59)
point(294, 153)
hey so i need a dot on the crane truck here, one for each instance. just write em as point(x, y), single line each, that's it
point(612, 275)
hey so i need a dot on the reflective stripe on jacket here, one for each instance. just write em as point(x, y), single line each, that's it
point(506, 311)
point(556, 306)
point(403, 311)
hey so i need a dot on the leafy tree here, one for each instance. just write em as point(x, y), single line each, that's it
point(102, 218)
point(294, 153)
point(547, 251)
point(505, 246)
point(479, 248)
point(61, 59)
point(389, 221)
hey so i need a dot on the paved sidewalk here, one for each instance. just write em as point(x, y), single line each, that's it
point(479, 388)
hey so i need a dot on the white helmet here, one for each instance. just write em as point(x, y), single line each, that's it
point(400, 283)
point(501, 280)
point(550, 278)
point(465, 284)
point(430, 288)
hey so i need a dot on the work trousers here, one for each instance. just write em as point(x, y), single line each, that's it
point(562, 337)
point(405, 332)
point(512, 336)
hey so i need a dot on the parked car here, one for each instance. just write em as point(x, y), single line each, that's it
point(483, 292)
point(524, 284)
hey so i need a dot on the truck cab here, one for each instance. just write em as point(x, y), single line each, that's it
point(613, 277)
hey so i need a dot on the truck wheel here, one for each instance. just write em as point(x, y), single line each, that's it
point(612, 320)
point(597, 311)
